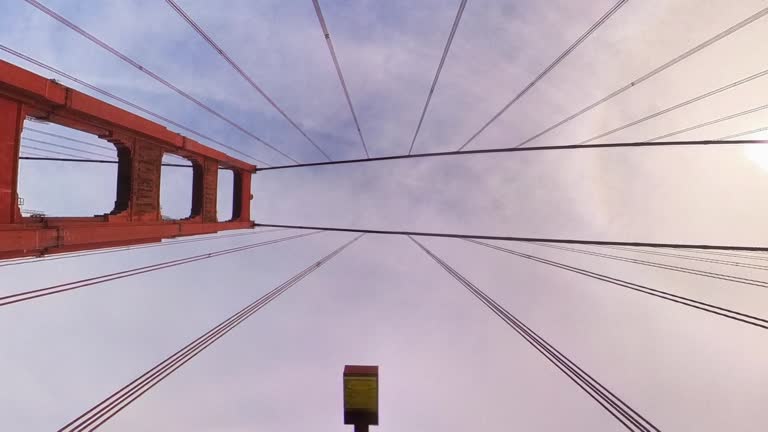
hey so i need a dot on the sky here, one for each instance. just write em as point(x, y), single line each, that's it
point(446, 362)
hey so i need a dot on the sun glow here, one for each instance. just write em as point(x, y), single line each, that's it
point(757, 153)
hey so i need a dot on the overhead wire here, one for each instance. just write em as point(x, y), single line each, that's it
point(664, 295)
point(608, 400)
point(456, 21)
point(73, 157)
point(102, 412)
point(744, 133)
point(548, 69)
point(716, 38)
point(522, 239)
point(683, 104)
point(95, 280)
point(688, 257)
point(680, 269)
point(154, 76)
point(126, 102)
point(185, 16)
point(38, 131)
point(710, 123)
point(624, 145)
point(63, 147)
point(336, 64)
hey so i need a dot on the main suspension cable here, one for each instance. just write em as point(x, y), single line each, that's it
point(123, 397)
point(613, 404)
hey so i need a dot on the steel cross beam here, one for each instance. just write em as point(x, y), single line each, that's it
point(140, 145)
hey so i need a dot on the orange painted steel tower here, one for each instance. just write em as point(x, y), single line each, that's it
point(140, 145)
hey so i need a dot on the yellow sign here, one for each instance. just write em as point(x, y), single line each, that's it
point(361, 393)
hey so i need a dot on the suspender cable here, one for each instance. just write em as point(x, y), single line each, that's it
point(689, 258)
point(63, 147)
point(722, 35)
point(99, 414)
point(613, 404)
point(548, 69)
point(459, 13)
point(124, 101)
point(38, 131)
point(629, 145)
point(240, 71)
point(678, 106)
point(744, 133)
point(83, 283)
point(153, 75)
point(685, 301)
point(707, 274)
point(524, 239)
point(343, 83)
point(711, 122)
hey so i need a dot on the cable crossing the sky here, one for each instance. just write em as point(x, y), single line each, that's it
point(102, 412)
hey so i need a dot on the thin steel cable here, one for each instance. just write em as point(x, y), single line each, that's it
point(38, 131)
point(74, 158)
point(731, 255)
point(685, 301)
point(153, 75)
point(613, 404)
point(335, 59)
point(240, 71)
point(689, 258)
point(456, 21)
point(82, 283)
point(722, 35)
point(745, 133)
point(710, 123)
point(680, 269)
point(123, 397)
point(60, 146)
point(521, 239)
point(26, 153)
point(627, 145)
point(548, 69)
point(77, 158)
point(57, 257)
point(701, 97)
point(124, 101)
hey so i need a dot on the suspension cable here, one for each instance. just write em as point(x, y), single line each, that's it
point(722, 35)
point(612, 403)
point(123, 397)
point(633, 145)
point(69, 286)
point(125, 102)
point(680, 269)
point(335, 59)
point(710, 123)
point(63, 147)
point(185, 16)
point(689, 257)
point(548, 69)
point(685, 301)
point(459, 13)
point(522, 239)
point(667, 110)
point(153, 75)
